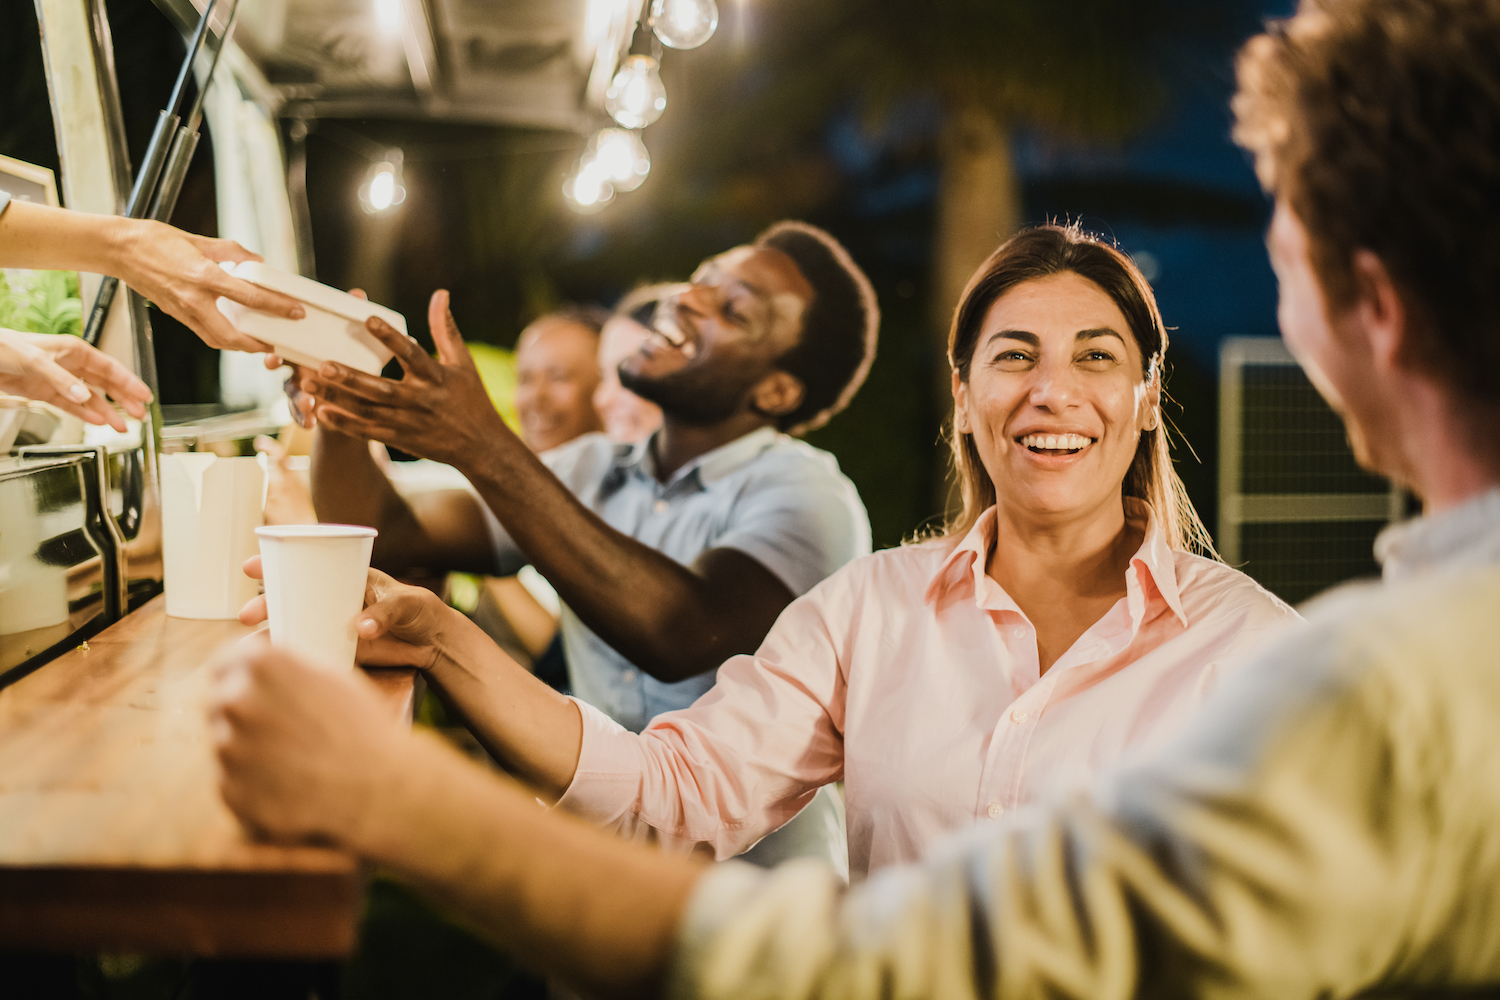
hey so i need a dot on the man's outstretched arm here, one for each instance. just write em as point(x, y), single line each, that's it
point(671, 620)
point(1322, 832)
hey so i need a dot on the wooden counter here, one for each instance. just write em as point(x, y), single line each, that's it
point(112, 833)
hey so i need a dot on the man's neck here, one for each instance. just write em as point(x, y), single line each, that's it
point(678, 443)
point(1450, 451)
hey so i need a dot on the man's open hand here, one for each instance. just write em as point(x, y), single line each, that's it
point(303, 749)
point(438, 410)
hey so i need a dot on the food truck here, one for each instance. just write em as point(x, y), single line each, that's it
point(112, 834)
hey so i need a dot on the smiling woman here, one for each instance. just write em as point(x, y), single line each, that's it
point(1058, 333)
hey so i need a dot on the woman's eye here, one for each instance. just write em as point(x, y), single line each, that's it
point(1012, 357)
point(1096, 360)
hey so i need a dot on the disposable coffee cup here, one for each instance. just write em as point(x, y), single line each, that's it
point(315, 588)
point(210, 509)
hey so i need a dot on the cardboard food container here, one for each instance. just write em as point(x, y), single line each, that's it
point(332, 330)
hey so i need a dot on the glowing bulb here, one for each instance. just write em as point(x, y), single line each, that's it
point(622, 156)
point(684, 24)
point(382, 189)
point(635, 97)
point(589, 189)
point(389, 15)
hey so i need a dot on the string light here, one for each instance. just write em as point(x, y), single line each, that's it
point(622, 157)
point(636, 97)
point(390, 16)
point(684, 24)
point(589, 189)
point(383, 189)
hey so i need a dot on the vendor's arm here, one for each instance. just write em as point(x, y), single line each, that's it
point(177, 271)
point(671, 620)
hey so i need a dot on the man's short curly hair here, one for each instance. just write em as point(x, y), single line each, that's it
point(1378, 123)
point(839, 327)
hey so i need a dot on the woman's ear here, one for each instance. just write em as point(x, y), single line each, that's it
point(961, 405)
point(778, 394)
point(1151, 405)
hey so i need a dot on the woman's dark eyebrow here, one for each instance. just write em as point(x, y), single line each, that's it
point(1097, 332)
point(1024, 336)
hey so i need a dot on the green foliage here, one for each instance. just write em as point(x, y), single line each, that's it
point(41, 302)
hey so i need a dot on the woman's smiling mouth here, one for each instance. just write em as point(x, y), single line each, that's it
point(1055, 444)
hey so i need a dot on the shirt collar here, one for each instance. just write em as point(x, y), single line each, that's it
point(710, 467)
point(1152, 568)
point(1466, 537)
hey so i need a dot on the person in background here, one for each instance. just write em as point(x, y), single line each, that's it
point(177, 271)
point(556, 375)
point(1327, 826)
point(627, 418)
point(670, 555)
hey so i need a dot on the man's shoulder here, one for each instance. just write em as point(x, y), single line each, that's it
point(787, 459)
point(583, 461)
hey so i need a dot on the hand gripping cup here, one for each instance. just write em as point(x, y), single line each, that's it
point(315, 588)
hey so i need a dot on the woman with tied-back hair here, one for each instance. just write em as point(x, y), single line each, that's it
point(1062, 620)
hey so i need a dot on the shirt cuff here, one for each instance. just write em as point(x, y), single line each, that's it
point(607, 782)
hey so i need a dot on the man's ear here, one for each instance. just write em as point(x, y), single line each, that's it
point(778, 394)
point(1382, 315)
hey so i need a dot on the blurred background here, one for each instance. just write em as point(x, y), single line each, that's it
point(919, 134)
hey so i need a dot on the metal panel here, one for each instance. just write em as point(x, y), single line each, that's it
point(1295, 510)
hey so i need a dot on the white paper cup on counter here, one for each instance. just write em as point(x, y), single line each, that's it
point(315, 588)
point(210, 508)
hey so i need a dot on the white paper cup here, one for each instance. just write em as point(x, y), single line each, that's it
point(210, 509)
point(315, 588)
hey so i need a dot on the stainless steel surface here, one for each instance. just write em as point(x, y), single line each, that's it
point(536, 63)
point(57, 579)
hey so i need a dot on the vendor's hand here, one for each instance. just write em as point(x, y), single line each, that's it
point(180, 273)
point(71, 375)
point(400, 626)
point(303, 750)
point(438, 410)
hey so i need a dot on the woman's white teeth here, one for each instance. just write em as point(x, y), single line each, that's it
point(1056, 442)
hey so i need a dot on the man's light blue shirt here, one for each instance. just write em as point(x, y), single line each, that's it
point(780, 501)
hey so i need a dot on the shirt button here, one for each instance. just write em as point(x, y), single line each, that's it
point(628, 676)
point(1019, 633)
point(660, 506)
point(996, 810)
point(1018, 716)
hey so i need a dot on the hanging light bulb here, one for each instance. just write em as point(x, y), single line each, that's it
point(636, 97)
point(684, 24)
point(383, 189)
point(390, 15)
point(622, 157)
point(589, 189)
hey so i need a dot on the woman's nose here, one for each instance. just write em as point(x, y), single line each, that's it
point(1054, 387)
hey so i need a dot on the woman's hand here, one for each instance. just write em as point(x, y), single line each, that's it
point(400, 626)
point(69, 374)
point(180, 273)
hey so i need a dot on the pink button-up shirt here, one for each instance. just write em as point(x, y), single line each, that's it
point(913, 676)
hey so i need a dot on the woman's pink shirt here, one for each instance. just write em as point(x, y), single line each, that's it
point(913, 676)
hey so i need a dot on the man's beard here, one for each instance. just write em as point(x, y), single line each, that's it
point(696, 396)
